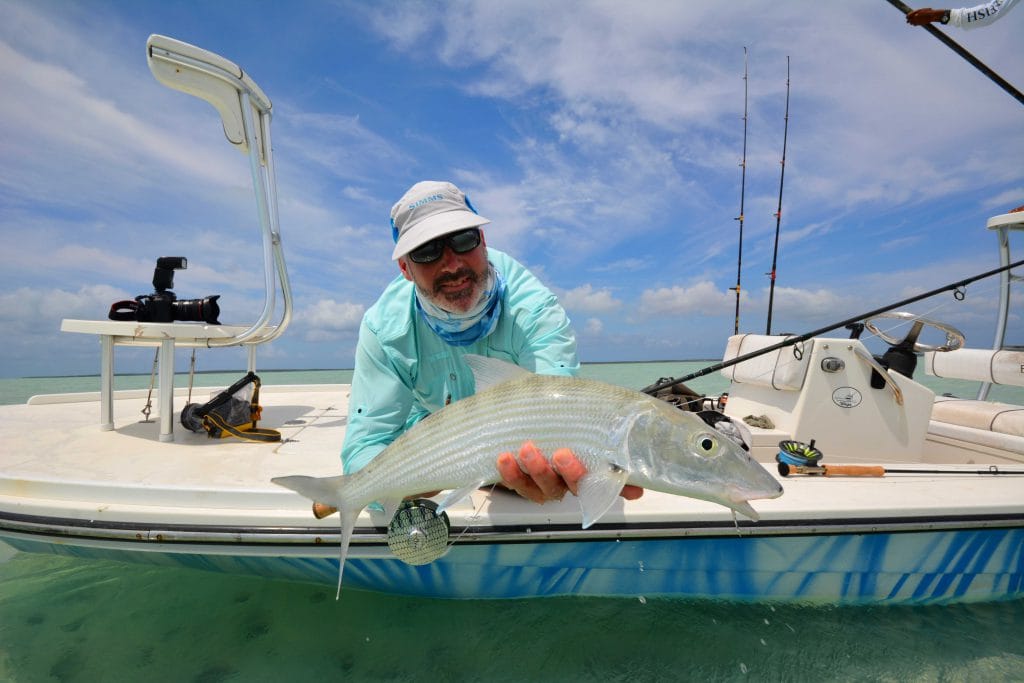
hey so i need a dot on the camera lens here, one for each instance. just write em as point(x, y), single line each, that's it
point(205, 309)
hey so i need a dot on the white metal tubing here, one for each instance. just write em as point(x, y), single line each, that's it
point(166, 390)
point(264, 187)
point(1004, 301)
point(282, 269)
point(263, 213)
point(106, 382)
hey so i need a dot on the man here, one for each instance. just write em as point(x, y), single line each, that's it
point(965, 17)
point(454, 296)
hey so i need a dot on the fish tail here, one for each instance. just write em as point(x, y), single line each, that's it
point(348, 523)
point(328, 490)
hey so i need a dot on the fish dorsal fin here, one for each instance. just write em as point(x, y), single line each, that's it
point(490, 372)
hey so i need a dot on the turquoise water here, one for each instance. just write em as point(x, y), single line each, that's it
point(633, 375)
point(63, 619)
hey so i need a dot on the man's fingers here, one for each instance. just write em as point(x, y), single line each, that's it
point(630, 492)
point(551, 485)
point(569, 466)
point(508, 468)
point(514, 478)
point(533, 477)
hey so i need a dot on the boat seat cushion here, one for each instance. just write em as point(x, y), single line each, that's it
point(1003, 418)
point(1004, 366)
point(780, 369)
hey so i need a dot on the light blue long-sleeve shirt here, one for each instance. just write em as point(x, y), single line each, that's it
point(404, 371)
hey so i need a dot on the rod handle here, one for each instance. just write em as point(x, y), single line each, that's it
point(854, 470)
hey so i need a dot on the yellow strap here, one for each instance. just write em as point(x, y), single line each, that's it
point(247, 432)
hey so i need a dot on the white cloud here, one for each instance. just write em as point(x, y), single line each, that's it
point(603, 139)
point(703, 298)
point(586, 299)
point(340, 144)
point(81, 124)
point(329, 319)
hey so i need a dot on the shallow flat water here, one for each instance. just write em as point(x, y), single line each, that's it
point(65, 619)
point(68, 620)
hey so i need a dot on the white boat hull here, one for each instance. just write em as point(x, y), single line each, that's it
point(195, 502)
point(876, 567)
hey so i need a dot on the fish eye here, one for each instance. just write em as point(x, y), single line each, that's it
point(707, 443)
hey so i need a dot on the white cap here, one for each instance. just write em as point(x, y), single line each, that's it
point(430, 209)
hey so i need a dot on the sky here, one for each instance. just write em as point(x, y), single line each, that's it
point(604, 140)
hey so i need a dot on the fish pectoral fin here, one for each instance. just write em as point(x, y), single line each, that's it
point(391, 506)
point(457, 495)
point(744, 508)
point(599, 490)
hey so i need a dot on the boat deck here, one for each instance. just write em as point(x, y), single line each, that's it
point(81, 472)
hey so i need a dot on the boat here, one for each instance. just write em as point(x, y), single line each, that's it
point(893, 495)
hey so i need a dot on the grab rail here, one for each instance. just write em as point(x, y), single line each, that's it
point(1002, 225)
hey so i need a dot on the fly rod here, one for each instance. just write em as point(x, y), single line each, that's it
point(778, 212)
point(791, 341)
point(743, 186)
point(971, 59)
point(785, 469)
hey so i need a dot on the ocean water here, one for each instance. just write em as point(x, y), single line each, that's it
point(64, 619)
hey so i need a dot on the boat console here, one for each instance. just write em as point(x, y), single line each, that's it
point(859, 408)
point(821, 389)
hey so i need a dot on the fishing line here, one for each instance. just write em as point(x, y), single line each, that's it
point(473, 517)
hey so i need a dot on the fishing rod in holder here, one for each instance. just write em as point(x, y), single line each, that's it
point(956, 287)
point(743, 187)
point(778, 211)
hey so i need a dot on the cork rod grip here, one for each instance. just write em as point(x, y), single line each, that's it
point(854, 470)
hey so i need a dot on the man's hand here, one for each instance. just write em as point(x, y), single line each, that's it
point(532, 477)
point(925, 15)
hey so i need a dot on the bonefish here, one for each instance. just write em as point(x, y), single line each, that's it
point(621, 436)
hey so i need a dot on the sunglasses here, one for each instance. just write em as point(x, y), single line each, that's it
point(460, 242)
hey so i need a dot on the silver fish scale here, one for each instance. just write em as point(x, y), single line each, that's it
point(459, 445)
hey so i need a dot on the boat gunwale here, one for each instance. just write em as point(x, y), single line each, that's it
point(320, 536)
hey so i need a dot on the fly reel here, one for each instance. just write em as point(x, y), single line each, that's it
point(798, 453)
point(417, 534)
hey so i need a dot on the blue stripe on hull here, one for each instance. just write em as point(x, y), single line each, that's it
point(897, 568)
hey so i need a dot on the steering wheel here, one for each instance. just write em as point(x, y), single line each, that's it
point(954, 337)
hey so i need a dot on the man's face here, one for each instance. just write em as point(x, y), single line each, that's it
point(454, 282)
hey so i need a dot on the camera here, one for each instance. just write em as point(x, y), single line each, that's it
point(163, 306)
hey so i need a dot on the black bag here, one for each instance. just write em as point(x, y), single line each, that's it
point(233, 412)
